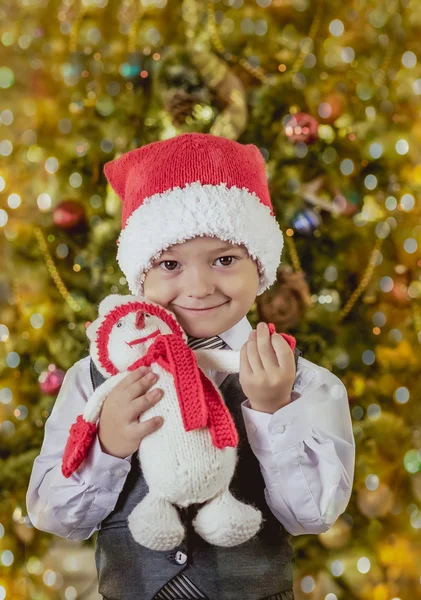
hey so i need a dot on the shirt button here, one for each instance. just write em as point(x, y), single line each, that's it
point(279, 429)
point(252, 427)
point(120, 472)
point(180, 558)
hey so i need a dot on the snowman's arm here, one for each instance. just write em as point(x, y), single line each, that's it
point(227, 361)
point(94, 405)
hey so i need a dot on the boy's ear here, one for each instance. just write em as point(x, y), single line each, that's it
point(111, 302)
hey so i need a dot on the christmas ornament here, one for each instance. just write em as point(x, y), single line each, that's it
point(312, 192)
point(285, 303)
point(69, 215)
point(232, 120)
point(180, 105)
point(306, 221)
point(50, 381)
point(331, 199)
point(301, 127)
point(348, 203)
point(184, 88)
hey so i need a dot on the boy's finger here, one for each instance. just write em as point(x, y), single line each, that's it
point(140, 387)
point(253, 354)
point(144, 403)
point(265, 348)
point(282, 349)
point(144, 428)
point(133, 377)
point(245, 368)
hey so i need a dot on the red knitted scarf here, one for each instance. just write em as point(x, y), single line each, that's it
point(201, 404)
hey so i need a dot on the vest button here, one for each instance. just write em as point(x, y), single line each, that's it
point(180, 558)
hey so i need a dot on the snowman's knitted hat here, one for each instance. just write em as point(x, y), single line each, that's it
point(194, 184)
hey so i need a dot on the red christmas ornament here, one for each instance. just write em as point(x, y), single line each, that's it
point(69, 214)
point(50, 381)
point(302, 127)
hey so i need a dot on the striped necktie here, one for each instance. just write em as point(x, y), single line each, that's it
point(205, 343)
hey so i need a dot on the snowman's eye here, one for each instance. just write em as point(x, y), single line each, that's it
point(147, 315)
point(119, 324)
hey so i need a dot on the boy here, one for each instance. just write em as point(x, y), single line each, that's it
point(200, 238)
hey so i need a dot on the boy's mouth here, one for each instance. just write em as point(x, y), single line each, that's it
point(201, 310)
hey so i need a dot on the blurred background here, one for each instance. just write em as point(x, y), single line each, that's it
point(330, 92)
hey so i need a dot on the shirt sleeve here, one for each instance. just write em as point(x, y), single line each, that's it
point(73, 507)
point(306, 452)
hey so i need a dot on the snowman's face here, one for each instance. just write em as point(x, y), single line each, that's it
point(131, 337)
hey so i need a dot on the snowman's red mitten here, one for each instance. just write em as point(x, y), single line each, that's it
point(82, 434)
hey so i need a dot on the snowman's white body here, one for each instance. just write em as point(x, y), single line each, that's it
point(180, 467)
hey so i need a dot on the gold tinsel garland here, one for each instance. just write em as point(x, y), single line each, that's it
point(52, 269)
point(258, 72)
point(368, 274)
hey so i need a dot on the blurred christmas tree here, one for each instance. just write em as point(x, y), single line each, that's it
point(330, 93)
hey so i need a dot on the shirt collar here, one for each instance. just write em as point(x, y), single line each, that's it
point(237, 336)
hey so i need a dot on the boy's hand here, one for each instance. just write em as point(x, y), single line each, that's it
point(267, 370)
point(120, 431)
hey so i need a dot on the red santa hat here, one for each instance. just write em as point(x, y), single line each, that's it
point(194, 184)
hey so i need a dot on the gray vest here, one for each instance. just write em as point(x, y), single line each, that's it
point(259, 568)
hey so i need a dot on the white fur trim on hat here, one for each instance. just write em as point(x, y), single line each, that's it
point(179, 214)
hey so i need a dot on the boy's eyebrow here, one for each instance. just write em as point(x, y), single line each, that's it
point(223, 248)
point(228, 247)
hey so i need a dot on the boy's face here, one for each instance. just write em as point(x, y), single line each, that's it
point(209, 284)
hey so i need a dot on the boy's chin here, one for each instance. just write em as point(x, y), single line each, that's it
point(201, 331)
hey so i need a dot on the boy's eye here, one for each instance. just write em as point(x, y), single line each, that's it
point(226, 261)
point(171, 264)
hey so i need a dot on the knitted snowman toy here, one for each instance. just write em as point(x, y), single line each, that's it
point(192, 457)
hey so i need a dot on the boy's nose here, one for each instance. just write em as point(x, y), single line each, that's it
point(140, 319)
point(198, 285)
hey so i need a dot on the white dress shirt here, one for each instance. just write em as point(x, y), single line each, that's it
point(306, 452)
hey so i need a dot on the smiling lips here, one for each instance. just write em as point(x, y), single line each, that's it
point(201, 309)
point(140, 340)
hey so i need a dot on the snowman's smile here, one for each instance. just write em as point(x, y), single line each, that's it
point(140, 340)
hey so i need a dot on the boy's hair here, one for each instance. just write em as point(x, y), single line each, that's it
point(194, 184)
